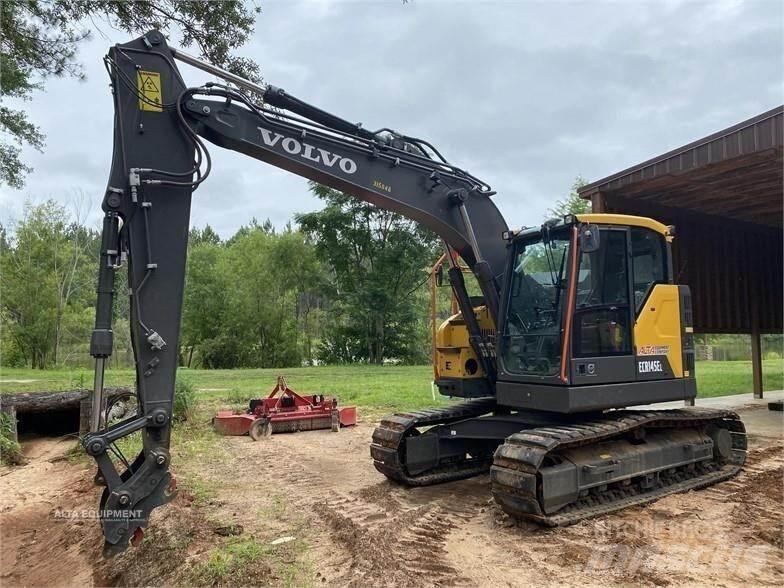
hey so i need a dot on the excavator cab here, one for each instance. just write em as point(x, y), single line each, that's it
point(592, 318)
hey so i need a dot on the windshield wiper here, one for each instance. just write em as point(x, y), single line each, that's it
point(550, 257)
point(559, 287)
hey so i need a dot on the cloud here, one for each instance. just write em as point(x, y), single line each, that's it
point(524, 95)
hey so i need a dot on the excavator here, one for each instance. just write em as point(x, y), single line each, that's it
point(579, 320)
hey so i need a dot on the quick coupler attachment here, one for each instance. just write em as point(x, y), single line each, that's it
point(130, 496)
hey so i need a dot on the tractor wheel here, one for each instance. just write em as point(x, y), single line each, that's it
point(261, 428)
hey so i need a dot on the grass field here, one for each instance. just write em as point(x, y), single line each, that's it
point(393, 387)
point(406, 387)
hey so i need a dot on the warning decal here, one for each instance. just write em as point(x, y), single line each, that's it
point(150, 95)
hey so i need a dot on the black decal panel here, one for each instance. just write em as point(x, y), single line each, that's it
point(653, 367)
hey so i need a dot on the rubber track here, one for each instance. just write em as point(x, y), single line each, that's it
point(515, 483)
point(388, 445)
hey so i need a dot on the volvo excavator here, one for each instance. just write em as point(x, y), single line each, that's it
point(578, 319)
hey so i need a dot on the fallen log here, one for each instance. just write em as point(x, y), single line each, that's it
point(18, 404)
point(46, 401)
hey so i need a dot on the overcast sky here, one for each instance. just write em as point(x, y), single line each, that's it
point(524, 95)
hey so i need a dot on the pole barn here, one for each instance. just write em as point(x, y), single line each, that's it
point(724, 196)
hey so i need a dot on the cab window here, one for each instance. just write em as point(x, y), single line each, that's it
point(649, 263)
point(601, 317)
point(532, 337)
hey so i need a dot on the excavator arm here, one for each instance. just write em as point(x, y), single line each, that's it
point(160, 158)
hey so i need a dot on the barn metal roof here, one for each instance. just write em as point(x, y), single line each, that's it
point(723, 194)
point(733, 173)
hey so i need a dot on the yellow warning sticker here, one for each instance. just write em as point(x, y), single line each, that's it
point(150, 95)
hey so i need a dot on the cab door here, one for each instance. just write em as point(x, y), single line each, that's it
point(657, 320)
point(602, 348)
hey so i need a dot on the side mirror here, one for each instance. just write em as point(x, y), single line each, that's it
point(440, 276)
point(589, 238)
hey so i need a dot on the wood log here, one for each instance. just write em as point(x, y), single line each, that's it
point(20, 403)
point(48, 401)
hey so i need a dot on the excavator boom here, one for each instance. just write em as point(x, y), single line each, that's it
point(160, 158)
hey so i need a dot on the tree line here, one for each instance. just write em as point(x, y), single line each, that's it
point(46, 268)
point(347, 283)
point(344, 284)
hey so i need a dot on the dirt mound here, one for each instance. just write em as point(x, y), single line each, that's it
point(41, 514)
point(175, 536)
point(50, 536)
point(29, 540)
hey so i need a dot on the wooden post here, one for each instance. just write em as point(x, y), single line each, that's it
point(756, 360)
point(85, 414)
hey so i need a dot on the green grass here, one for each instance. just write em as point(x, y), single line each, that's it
point(720, 378)
point(51, 380)
point(381, 387)
point(10, 450)
point(201, 489)
point(256, 562)
point(394, 387)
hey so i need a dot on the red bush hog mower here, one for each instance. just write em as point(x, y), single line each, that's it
point(285, 411)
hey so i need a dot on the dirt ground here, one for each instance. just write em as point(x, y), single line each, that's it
point(352, 527)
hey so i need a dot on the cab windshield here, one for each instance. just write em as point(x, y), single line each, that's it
point(532, 337)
